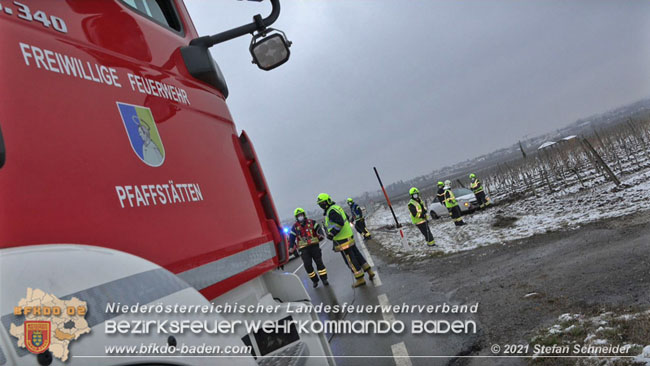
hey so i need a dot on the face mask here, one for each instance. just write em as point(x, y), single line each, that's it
point(301, 218)
point(416, 196)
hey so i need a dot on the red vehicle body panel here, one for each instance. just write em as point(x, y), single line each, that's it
point(67, 148)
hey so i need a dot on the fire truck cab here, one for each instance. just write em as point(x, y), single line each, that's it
point(123, 180)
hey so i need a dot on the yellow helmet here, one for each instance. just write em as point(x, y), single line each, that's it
point(298, 211)
point(323, 197)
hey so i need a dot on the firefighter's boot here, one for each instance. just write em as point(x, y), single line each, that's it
point(360, 281)
point(369, 271)
point(314, 279)
point(322, 273)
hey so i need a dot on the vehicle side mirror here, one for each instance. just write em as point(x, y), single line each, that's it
point(270, 51)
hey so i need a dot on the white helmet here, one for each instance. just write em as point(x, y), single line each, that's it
point(447, 183)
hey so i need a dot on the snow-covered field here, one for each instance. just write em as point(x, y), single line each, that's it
point(563, 210)
point(596, 334)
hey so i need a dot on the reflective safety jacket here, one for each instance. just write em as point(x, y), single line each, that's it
point(476, 186)
point(339, 227)
point(418, 211)
point(450, 199)
point(355, 209)
point(304, 234)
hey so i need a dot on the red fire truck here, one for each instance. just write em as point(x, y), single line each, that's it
point(123, 177)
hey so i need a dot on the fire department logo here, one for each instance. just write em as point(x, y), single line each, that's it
point(50, 324)
point(37, 336)
point(143, 133)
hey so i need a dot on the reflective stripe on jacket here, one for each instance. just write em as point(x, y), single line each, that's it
point(450, 199)
point(421, 215)
point(344, 236)
point(356, 211)
point(476, 186)
point(306, 234)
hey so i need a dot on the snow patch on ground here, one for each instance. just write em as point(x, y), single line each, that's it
point(644, 356)
point(605, 329)
point(562, 210)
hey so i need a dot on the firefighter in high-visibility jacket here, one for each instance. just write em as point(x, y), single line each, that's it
point(307, 234)
point(477, 188)
point(340, 232)
point(357, 219)
point(452, 205)
point(419, 216)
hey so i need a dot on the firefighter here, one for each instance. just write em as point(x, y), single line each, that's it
point(308, 233)
point(477, 188)
point(441, 193)
point(338, 230)
point(419, 216)
point(357, 219)
point(452, 205)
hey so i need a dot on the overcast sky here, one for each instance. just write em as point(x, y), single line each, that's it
point(411, 86)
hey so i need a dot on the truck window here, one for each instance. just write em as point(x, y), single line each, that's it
point(161, 11)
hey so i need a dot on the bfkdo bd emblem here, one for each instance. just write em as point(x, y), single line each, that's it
point(37, 336)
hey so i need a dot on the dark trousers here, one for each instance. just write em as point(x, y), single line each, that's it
point(360, 226)
point(424, 229)
point(313, 252)
point(355, 261)
point(455, 215)
point(480, 198)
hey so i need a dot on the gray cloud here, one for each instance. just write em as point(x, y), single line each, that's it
point(413, 86)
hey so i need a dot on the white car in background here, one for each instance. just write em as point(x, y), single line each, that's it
point(466, 201)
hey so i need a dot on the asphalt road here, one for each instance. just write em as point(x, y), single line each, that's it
point(396, 288)
point(601, 266)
